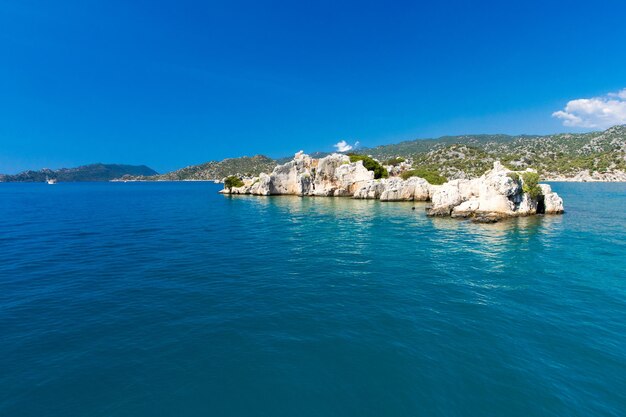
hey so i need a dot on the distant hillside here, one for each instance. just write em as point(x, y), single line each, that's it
point(93, 172)
point(562, 155)
point(584, 156)
point(214, 170)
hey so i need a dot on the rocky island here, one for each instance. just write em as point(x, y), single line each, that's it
point(499, 193)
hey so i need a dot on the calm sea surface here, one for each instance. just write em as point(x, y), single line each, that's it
point(168, 299)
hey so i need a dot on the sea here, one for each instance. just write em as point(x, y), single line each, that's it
point(169, 299)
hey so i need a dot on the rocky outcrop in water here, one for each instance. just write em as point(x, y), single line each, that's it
point(333, 175)
point(498, 194)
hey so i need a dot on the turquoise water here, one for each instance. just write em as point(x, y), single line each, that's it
point(168, 299)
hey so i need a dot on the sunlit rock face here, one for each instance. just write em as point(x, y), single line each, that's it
point(337, 176)
point(371, 189)
point(262, 186)
point(412, 189)
point(294, 177)
point(333, 175)
point(553, 204)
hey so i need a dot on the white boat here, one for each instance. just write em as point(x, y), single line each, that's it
point(51, 180)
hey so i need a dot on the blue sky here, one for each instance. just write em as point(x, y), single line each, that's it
point(174, 83)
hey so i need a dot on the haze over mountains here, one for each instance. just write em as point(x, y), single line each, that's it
point(567, 155)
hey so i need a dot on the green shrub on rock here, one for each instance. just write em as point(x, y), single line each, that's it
point(531, 184)
point(514, 176)
point(371, 165)
point(432, 177)
point(232, 182)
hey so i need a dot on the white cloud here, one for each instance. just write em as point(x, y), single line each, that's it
point(619, 94)
point(596, 112)
point(343, 146)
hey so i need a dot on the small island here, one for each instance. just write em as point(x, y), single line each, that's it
point(499, 193)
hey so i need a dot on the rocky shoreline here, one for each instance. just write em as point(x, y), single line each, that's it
point(499, 193)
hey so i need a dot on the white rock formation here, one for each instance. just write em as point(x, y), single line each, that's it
point(337, 176)
point(497, 194)
point(553, 204)
point(370, 190)
point(333, 175)
point(294, 177)
point(262, 186)
point(412, 189)
point(497, 191)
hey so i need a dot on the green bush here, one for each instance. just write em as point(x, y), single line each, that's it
point(432, 177)
point(371, 165)
point(232, 181)
point(514, 176)
point(531, 184)
point(394, 161)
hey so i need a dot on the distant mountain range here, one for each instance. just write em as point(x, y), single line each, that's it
point(579, 156)
point(93, 172)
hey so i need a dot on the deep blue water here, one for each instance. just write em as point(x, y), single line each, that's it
point(167, 299)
